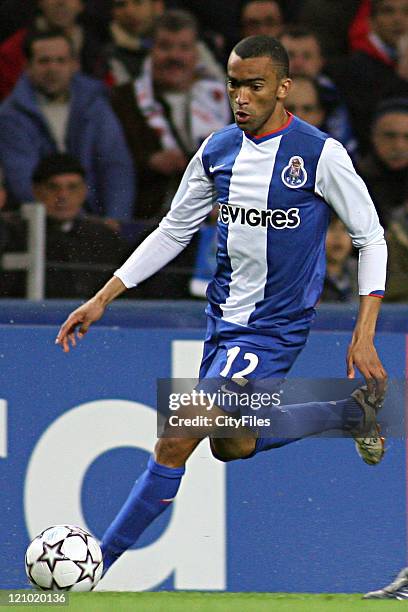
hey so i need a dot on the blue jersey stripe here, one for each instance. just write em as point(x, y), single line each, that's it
point(218, 161)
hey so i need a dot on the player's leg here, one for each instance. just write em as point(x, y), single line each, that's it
point(156, 488)
point(230, 449)
point(152, 493)
point(288, 423)
point(291, 423)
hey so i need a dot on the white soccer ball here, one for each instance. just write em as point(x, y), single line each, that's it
point(64, 558)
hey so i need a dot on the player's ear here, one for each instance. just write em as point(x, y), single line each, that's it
point(283, 88)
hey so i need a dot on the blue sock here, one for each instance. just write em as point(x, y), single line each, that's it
point(292, 423)
point(150, 496)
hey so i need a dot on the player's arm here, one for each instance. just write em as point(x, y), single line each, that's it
point(191, 205)
point(362, 352)
point(338, 183)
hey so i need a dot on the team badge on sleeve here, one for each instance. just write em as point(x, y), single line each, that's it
point(294, 175)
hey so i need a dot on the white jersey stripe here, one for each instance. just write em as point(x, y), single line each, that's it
point(247, 246)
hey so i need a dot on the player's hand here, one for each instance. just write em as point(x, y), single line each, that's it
point(363, 355)
point(81, 318)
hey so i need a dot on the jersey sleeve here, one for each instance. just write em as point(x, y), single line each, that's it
point(191, 205)
point(345, 192)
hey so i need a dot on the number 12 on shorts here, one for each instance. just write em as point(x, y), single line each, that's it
point(232, 354)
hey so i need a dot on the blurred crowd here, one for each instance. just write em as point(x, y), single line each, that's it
point(104, 102)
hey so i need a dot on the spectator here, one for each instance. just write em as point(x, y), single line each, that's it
point(54, 14)
point(385, 167)
point(81, 252)
point(340, 284)
point(131, 32)
point(3, 192)
point(261, 17)
point(306, 99)
point(53, 109)
point(377, 71)
point(360, 26)
point(330, 21)
point(306, 58)
point(3, 199)
point(397, 241)
point(217, 24)
point(167, 112)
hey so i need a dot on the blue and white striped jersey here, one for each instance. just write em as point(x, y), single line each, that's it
point(274, 195)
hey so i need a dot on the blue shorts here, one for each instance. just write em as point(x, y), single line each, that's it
point(229, 356)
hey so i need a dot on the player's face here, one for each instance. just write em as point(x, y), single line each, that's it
point(390, 138)
point(134, 16)
point(61, 13)
point(63, 196)
point(338, 243)
point(174, 57)
point(391, 21)
point(52, 66)
point(255, 91)
point(304, 54)
point(303, 101)
point(261, 18)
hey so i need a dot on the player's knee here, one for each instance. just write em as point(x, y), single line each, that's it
point(229, 450)
point(221, 454)
point(173, 452)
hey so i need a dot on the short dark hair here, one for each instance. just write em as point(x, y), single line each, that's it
point(300, 31)
point(55, 164)
point(246, 2)
point(36, 35)
point(320, 92)
point(390, 105)
point(175, 21)
point(264, 46)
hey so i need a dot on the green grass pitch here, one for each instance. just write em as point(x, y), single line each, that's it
point(214, 602)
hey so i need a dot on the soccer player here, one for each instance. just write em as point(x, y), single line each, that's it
point(275, 179)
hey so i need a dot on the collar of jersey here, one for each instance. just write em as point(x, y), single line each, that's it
point(285, 128)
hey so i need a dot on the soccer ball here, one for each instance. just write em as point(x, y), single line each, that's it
point(64, 558)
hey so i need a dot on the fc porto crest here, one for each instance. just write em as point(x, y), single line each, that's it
point(294, 175)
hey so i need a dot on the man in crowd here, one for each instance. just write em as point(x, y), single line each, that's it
point(329, 20)
point(306, 59)
point(379, 70)
point(81, 251)
point(66, 15)
point(308, 101)
point(55, 108)
point(340, 283)
point(168, 111)
point(261, 17)
point(305, 101)
point(385, 167)
point(131, 31)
